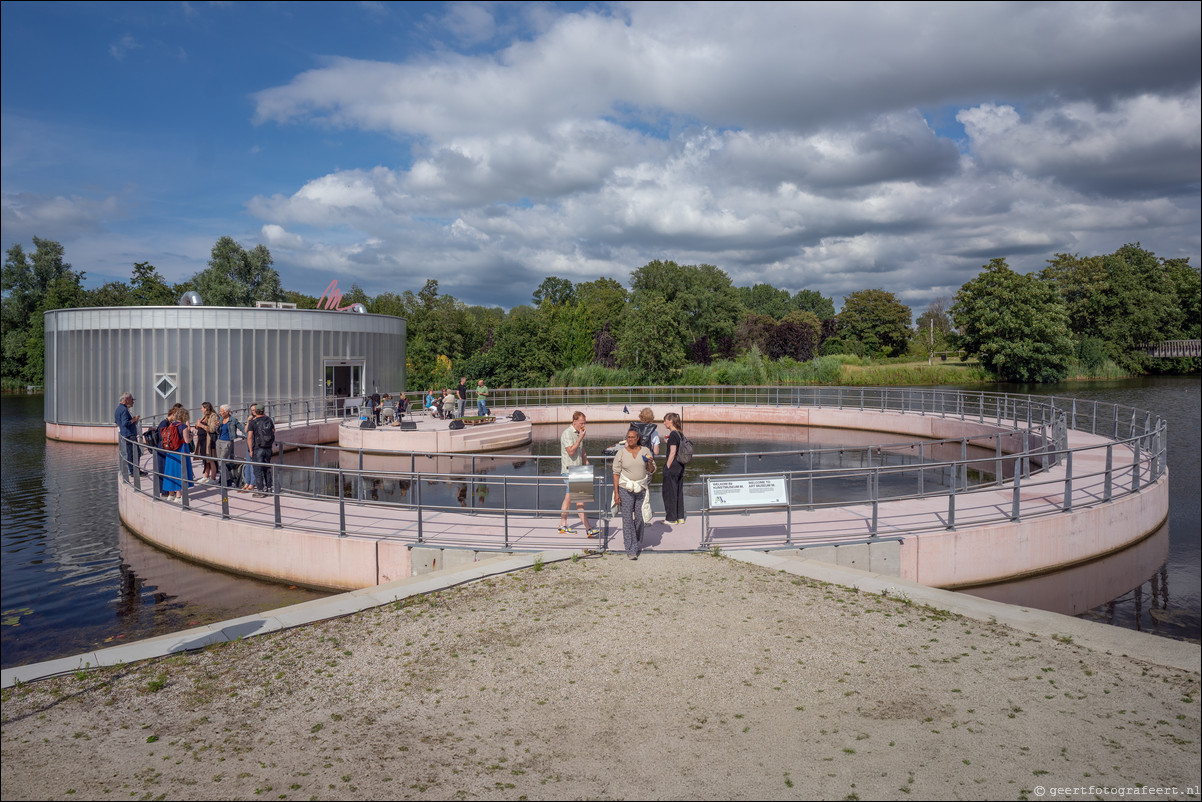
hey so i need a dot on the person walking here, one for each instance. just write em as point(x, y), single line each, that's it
point(571, 455)
point(633, 466)
point(649, 438)
point(127, 427)
point(674, 471)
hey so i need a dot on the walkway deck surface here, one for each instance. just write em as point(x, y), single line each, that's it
point(1040, 495)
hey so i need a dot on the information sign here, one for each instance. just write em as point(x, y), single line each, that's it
point(759, 491)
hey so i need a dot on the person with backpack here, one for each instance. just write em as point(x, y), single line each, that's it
point(160, 456)
point(680, 451)
point(260, 439)
point(177, 464)
point(650, 440)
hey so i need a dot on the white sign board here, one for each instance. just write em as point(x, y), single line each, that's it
point(760, 491)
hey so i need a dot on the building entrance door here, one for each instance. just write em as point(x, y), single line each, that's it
point(344, 380)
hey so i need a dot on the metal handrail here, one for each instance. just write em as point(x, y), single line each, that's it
point(1045, 422)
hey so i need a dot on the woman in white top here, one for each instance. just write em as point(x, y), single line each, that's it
point(633, 467)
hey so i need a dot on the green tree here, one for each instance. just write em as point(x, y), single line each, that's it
point(1187, 284)
point(876, 319)
point(554, 290)
point(933, 327)
point(602, 301)
point(1125, 300)
point(764, 299)
point(237, 277)
point(32, 285)
point(1016, 324)
point(701, 296)
point(147, 287)
point(814, 301)
point(652, 336)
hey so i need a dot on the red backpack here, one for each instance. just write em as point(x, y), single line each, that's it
point(172, 439)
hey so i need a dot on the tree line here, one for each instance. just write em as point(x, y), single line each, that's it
point(689, 324)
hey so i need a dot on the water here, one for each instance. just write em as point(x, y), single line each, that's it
point(74, 579)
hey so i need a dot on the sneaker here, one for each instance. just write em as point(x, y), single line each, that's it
point(594, 532)
point(566, 530)
point(260, 495)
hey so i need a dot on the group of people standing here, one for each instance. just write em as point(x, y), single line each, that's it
point(633, 466)
point(453, 402)
point(210, 439)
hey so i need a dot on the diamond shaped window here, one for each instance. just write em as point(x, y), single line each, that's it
point(165, 385)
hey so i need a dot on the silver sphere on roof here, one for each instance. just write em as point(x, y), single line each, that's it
point(359, 309)
point(191, 298)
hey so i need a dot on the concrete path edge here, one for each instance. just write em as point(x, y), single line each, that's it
point(1065, 628)
point(281, 618)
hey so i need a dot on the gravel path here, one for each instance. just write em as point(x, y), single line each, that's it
point(669, 677)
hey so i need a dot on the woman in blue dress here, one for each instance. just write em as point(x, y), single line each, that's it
point(177, 467)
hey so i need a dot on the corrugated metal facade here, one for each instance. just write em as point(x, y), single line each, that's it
point(220, 354)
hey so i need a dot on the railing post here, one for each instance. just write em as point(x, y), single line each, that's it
point(1135, 468)
point(471, 486)
point(1108, 484)
point(418, 480)
point(275, 497)
point(505, 503)
point(921, 470)
point(964, 461)
point(359, 479)
point(998, 458)
point(1014, 506)
point(1068, 481)
point(874, 491)
point(951, 508)
point(341, 507)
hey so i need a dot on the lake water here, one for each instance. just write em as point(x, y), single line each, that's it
point(74, 579)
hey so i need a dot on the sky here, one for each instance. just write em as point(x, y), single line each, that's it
point(830, 147)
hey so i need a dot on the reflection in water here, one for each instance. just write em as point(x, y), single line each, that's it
point(74, 578)
point(1131, 589)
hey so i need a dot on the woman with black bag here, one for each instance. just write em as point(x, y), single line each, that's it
point(674, 471)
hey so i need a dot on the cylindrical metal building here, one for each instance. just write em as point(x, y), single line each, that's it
point(226, 355)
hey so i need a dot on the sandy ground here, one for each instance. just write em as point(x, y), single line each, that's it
point(669, 677)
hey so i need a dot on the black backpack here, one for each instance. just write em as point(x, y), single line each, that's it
point(456, 424)
point(517, 415)
point(150, 437)
point(264, 432)
point(646, 432)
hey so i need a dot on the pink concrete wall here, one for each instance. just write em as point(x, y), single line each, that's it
point(82, 434)
point(969, 555)
point(983, 554)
